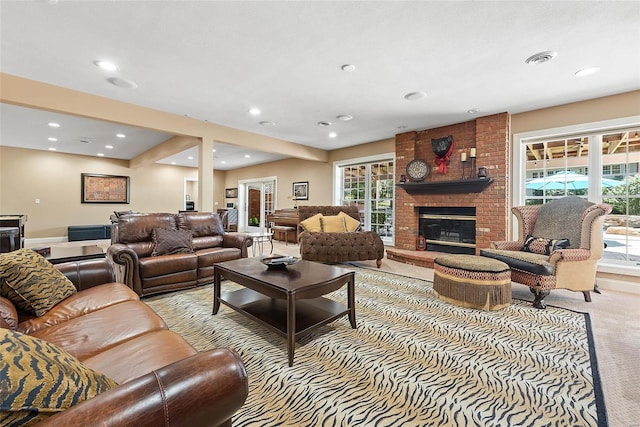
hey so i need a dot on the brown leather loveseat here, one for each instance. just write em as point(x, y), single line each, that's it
point(191, 241)
point(161, 379)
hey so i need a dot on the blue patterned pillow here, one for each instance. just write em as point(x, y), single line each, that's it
point(31, 282)
point(38, 379)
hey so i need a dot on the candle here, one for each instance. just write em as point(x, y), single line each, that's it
point(463, 156)
point(472, 153)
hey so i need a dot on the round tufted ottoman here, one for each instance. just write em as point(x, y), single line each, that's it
point(472, 281)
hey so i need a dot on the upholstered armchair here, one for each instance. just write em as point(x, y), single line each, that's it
point(558, 246)
point(332, 234)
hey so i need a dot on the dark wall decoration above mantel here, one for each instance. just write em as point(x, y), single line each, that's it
point(442, 148)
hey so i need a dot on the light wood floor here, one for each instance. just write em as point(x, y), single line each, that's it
point(615, 319)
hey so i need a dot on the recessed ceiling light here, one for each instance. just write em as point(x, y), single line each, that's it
point(173, 163)
point(349, 68)
point(267, 123)
point(100, 154)
point(52, 149)
point(121, 135)
point(224, 162)
point(414, 96)
point(324, 123)
point(190, 158)
point(109, 147)
point(214, 150)
point(587, 71)
point(473, 111)
point(54, 125)
point(344, 117)
point(106, 65)
point(254, 111)
point(246, 156)
point(541, 57)
point(52, 139)
point(123, 83)
point(332, 134)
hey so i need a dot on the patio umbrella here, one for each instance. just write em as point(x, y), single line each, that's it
point(572, 180)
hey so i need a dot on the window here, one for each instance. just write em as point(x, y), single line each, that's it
point(559, 166)
point(369, 184)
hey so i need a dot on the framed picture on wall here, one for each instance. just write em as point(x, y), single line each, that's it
point(231, 193)
point(98, 188)
point(301, 190)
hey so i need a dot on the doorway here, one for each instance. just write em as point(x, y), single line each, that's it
point(257, 200)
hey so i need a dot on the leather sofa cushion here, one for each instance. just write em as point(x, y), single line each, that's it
point(203, 242)
point(79, 304)
point(8, 314)
point(208, 257)
point(139, 228)
point(140, 355)
point(167, 264)
point(524, 261)
point(95, 332)
point(200, 223)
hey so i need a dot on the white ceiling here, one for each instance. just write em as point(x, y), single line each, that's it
point(213, 60)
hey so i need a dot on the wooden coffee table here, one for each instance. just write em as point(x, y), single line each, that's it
point(289, 301)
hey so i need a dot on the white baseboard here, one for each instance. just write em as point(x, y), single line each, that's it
point(617, 285)
point(44, 240)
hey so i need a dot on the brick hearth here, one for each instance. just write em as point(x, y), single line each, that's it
point(490, 136)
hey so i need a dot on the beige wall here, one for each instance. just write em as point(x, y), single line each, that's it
point(593, 110)
point(54, 178)
point(319, 174)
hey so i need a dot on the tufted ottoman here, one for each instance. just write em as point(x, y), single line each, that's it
point(472, 281)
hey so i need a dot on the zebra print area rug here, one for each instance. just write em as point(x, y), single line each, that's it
point(413, 361)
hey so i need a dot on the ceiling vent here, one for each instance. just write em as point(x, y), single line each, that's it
point(85, 140)
point(541, 58)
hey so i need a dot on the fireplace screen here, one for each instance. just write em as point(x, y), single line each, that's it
point(449, 229)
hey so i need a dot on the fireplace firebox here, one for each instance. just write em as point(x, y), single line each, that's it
point(448, 229)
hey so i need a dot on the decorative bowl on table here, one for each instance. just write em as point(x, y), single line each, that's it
point(279, 261)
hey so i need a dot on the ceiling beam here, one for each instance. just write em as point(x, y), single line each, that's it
point(171, 146)
point(33, 94)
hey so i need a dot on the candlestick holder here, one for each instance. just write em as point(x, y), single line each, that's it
point(472, 174)
point(464, 164)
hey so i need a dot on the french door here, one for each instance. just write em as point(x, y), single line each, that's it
point(257, 201)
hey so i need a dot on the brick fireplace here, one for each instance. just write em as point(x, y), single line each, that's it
point(490, 137)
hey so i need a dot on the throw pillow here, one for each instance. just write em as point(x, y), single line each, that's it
point(538, 245)
point(170, 242)
point(31, 282)
point(350, 223)
point(39, 379)
point(312, 224)
point(333, 224)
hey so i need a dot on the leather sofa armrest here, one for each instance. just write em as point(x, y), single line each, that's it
point(507, 245)
point(206, 389)
point(86, 274)
point(240, 241)
point(123, 255)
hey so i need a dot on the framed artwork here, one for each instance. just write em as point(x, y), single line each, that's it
point(104, 188)
point(301, 190)
point(231, 193)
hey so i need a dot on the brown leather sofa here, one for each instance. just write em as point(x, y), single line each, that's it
point(132, 247)
point(338, 247)
point(162, 379)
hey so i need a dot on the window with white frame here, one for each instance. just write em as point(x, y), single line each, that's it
point(599, 165)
